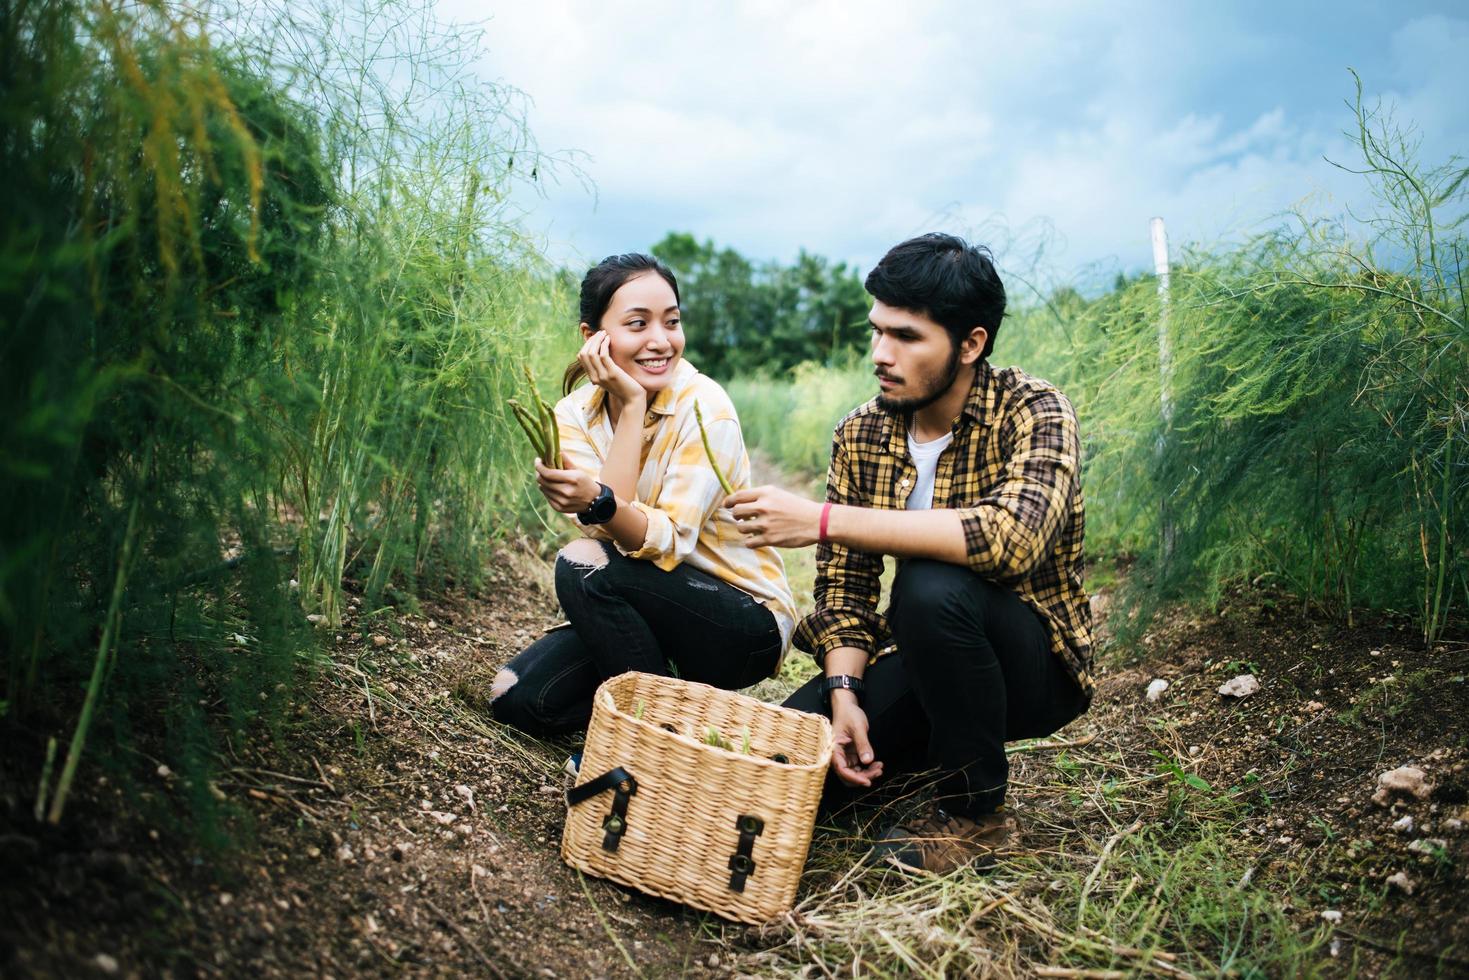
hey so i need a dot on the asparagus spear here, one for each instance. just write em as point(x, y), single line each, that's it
point(533, 430)
point(709, 451)
point(548, 422)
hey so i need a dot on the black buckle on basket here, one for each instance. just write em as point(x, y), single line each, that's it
point(615, 823)
point(741, 863)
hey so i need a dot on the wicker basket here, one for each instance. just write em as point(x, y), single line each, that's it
point(666, 813)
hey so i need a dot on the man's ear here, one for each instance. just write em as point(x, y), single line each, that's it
point(971, 347)
point(587, 331)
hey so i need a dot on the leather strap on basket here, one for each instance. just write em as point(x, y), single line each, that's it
point(615, 823)
point(741, 863)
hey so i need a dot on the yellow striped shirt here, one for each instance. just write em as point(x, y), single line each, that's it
point(678, 491)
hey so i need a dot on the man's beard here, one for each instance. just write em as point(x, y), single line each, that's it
point(927, 396)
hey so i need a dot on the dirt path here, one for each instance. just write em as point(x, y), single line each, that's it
point(392, 830)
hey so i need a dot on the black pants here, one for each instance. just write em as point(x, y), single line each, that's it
point(631, 615)
point(974, 668)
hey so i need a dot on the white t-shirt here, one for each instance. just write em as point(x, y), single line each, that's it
point(926, 459)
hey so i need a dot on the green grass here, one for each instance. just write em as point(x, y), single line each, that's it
point(791, 418)
point(279, 323)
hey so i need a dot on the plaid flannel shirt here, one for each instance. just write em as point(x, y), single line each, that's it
point(1012, 472)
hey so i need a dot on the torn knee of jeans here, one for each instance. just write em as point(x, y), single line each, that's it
point(503, 682)
point(584, 553)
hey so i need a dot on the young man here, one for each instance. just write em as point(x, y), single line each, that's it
point(969, 475)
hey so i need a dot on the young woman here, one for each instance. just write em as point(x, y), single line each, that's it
point(660, 580)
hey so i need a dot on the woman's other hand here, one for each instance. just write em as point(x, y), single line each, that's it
point(605, 373)
point(568, 491)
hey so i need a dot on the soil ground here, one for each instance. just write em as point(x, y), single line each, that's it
point(393, 830)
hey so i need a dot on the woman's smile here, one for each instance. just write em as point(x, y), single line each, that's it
point(644, 330)
point(654, 365)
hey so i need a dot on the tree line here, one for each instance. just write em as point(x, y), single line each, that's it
point(750, 317)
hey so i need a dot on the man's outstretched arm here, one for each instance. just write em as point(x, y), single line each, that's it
point(1005, 535)
point(772, 516)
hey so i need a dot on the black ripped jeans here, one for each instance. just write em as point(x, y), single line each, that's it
point(626, 615)
point(974, 668)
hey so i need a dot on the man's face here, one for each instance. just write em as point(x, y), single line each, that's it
point(914, 358)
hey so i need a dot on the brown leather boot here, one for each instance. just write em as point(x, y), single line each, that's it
point(941, 841)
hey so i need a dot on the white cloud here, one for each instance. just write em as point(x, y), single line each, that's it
point(845, 126)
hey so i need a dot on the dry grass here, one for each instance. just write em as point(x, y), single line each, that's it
point(1126, 870)
point(1139, 858)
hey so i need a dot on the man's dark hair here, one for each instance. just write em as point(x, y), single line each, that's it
point(945, 279)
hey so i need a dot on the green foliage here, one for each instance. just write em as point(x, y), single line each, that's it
point(1173, 769)
point(791, 417)
point(1213, 920)
point(256, 322)
point(769, 318)
point(1320, 409)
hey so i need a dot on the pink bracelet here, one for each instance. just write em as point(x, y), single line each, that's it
point(825, 515)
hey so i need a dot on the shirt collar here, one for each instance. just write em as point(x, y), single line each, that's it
point(663, 402)
point(981, 405)
point(984, 396)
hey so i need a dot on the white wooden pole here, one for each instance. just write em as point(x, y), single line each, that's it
point(1159, 235)
point(1165, 352)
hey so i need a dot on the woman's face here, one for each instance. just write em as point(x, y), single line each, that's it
point(645, 336)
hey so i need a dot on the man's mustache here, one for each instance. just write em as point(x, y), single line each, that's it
point(887, 377)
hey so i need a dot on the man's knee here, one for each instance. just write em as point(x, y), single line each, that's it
point(807, 698)
point(926, 592)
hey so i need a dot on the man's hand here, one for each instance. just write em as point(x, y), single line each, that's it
point(771, 516)
point(851, 753)
point(568, 491)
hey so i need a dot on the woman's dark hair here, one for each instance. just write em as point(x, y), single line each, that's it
point(597, 287)
point(945, 279)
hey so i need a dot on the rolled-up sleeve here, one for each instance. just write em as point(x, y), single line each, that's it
point(848, 583)
point(1014, 526)
point(690, 491)
point(576, 447)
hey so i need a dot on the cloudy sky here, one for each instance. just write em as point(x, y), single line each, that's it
point(843, 127)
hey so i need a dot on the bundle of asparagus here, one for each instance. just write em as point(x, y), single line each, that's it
point(540, 429)
point(539, 426)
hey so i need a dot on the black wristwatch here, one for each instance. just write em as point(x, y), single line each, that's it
point(602, 507)
point(844, 681)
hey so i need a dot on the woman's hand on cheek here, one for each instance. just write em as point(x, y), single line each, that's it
point(568, 491)
point(607, 374)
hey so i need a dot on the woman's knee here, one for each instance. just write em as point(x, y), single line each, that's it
point(577, 564)
point(586, 555)
point(511, 703)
